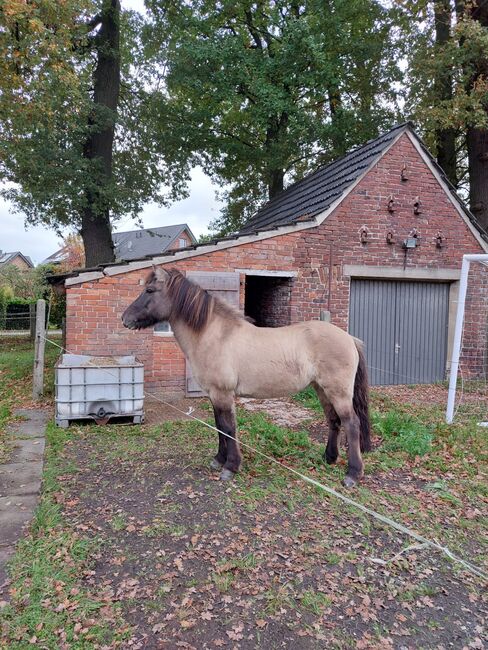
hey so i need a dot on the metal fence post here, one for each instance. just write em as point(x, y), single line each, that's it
point(40, 344)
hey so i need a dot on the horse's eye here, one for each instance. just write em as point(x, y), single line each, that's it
point(149, 290)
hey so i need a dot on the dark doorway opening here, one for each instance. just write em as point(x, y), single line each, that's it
point(268, 300)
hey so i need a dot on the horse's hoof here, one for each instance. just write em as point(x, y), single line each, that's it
point(214, 464)
point(330, 460)
point(226, 475)
point(349, 482)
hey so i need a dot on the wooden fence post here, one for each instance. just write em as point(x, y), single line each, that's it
point(40, 344)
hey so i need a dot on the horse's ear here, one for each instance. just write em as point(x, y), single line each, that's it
point(160, 274)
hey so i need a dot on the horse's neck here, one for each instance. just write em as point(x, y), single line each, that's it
point(185, 336)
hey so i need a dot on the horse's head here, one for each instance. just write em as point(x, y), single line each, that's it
point(152, 306)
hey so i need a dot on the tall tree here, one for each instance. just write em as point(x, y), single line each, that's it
point(443, 90)
point(76, 109)
point(477, 131)
point(259, 92)
point(98, 147)
point(448, 98)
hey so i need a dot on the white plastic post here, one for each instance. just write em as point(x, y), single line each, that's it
point(456, 350)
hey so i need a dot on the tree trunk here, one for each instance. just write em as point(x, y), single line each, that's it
point(275, 175)
point(477, 138)
point(445, 138)
point(477, 141)
point(276, 179)
point(335, 105)
point(95, 227)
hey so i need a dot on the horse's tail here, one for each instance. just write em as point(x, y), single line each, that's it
point(360, 399)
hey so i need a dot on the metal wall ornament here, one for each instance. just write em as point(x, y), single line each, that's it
point(363, 235)
point(390, 237)
point(404, 173)
point(440, 240)
point(417, 206)
point(391, 204)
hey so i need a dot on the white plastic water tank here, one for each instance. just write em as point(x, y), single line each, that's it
point(99, 388)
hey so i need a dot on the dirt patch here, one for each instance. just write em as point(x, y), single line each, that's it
point(175, 409)
point(283, 412)
point(198, 564)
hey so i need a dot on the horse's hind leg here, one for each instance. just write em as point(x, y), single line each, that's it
point(229, 454)
point(332, 448)
point(350, 422)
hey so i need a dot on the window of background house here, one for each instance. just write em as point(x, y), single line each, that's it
point(164, 329)
point(182, 243)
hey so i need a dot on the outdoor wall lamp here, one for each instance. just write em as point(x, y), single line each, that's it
point(412, 241)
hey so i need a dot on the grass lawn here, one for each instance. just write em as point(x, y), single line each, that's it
point(16, 367)
point(137, 544)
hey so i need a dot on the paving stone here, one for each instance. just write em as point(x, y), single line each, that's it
point(20, 478)
point(20, 482)
point(15, 513)
point(25, 451)
point(33, 426)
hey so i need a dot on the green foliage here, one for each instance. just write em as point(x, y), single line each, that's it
point(258, 92)
point(3, 306)
point(402, 432)
point(48, 57)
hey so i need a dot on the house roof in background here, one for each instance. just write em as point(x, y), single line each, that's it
point(135, 244)
point(7, 258)
point(150, 241)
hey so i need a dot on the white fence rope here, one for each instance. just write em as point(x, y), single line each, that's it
point(372, 513)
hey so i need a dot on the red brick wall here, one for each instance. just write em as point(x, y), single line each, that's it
point(94, 308)
point(474, 343)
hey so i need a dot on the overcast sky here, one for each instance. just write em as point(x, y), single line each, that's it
point(38, 242)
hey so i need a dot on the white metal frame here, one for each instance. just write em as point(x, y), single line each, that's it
point(456, 350)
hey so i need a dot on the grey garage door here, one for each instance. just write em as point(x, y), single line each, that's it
point(404, 327)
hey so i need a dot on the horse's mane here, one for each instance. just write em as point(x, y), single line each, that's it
point(193, 304)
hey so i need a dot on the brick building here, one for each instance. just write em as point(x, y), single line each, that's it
point(373, 241)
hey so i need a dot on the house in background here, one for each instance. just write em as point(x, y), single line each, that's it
point(135, 244)
point(373, 242)
point(16, 258)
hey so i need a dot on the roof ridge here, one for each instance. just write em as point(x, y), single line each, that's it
point(330, 180)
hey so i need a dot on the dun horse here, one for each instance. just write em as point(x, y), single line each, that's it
point(232, 357)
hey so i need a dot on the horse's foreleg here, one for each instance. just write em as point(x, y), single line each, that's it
point(221, 457)
point(225, 420)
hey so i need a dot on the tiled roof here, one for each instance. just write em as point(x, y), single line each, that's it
point(5, 258)
point(136, 244)
point(310, 196)
point(151, 241)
